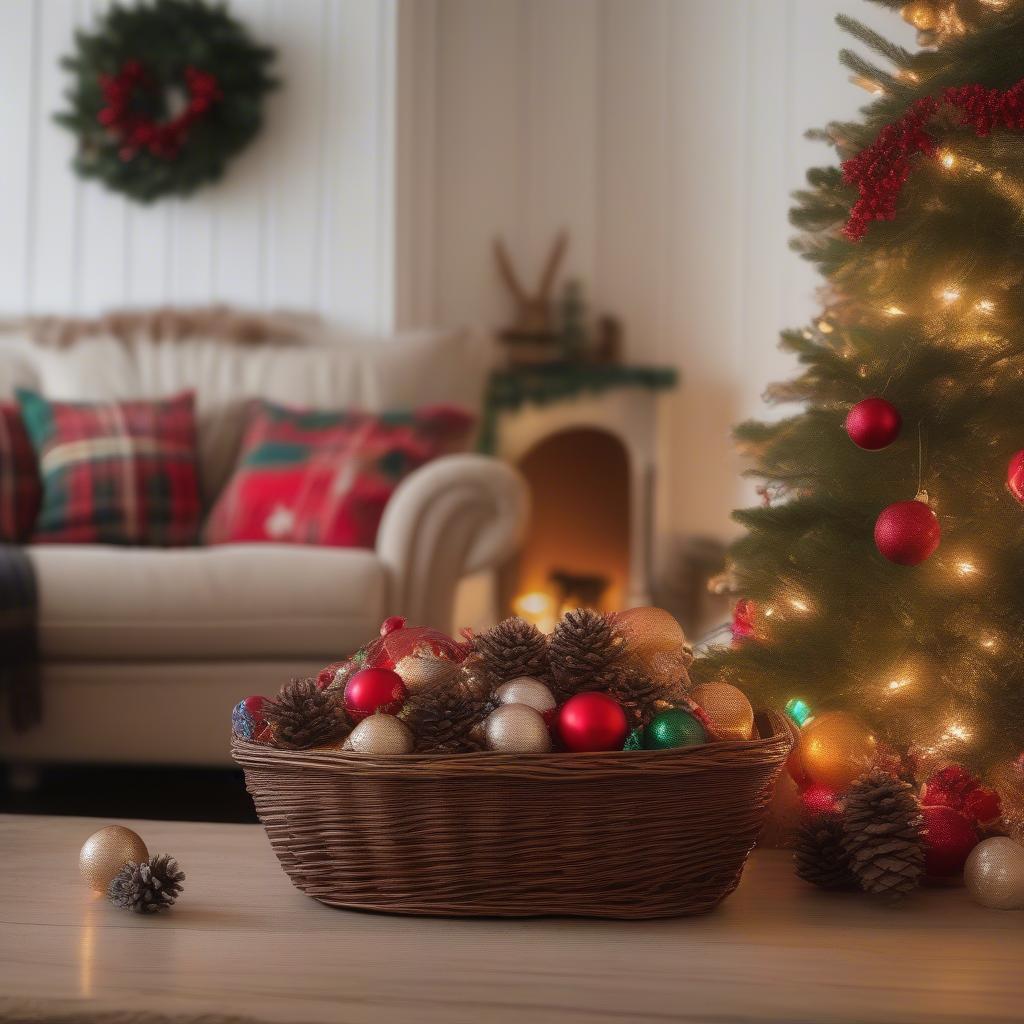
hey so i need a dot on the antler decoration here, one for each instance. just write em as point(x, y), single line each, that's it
point(533, 310)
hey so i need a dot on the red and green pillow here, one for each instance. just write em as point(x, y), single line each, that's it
point(20, 489)
point(115, 472)
point(318, 477)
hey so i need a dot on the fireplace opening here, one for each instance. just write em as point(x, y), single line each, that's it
point(577, 550)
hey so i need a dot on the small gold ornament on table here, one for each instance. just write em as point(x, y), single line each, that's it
point(730, 713)
point(994, 874)
point(836, 748)
point(106, 852)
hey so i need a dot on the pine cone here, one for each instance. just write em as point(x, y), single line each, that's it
point(587, 653)
point(642, 696)
point(302, 715)
point(820, 855)
point(149, 887)
point(511, 649)
point(882, 835)
point(448, 719)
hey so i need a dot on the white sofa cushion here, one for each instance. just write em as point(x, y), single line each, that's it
point(241, 602)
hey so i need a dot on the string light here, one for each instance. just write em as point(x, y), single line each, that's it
point(894, 311)
point(966, 568)
point(900, 683)
point(949, 294)
point(984, 305)
point(947, 159)
point(798, 604)
point(825, 327)
point(956, 731)
point(868, 84)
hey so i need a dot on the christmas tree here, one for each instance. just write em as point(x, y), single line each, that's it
point(883, 574)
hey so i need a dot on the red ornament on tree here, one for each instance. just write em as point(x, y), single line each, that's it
point(592, 721)
point(954, 786)
point(373, 689)
point(1015, 476)
point(949, 838)
point(873, 424)
point(819, 799)
point(907, 532)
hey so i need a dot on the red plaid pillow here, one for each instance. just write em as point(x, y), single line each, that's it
point(20, 491)
point(115, 472)
point(308, 477)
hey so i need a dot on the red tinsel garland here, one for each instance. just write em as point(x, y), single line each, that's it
point(880, 170)
point(137, 131)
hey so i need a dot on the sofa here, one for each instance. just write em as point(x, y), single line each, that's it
point(144, 651)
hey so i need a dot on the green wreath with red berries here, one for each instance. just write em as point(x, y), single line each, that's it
point(164, 95)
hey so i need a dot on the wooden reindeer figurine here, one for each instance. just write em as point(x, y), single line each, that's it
point(531, 336)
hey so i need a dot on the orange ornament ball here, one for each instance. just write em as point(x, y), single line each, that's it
point(732, 717)
point(836, 748)
point(655, 641)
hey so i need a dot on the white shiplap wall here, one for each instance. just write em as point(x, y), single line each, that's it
point(666, 135)
point(303, 218)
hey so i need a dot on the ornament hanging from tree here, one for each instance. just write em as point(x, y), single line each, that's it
point(1015, 476)
point(908, 532)
point(873, 424)
point(163, 96)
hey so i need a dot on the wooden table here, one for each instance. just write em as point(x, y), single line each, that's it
point(243, 942)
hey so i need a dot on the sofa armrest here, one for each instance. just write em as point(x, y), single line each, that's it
point(456, 515)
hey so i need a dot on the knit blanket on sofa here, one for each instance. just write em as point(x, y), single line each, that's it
point(19, 644)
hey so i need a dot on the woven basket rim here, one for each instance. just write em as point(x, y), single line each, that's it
point(561, 765)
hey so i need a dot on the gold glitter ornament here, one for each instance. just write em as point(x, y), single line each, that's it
point(517, 729)
point(836, 748)
point(654, 641)
point(380, 734)
point(994, 874)
point(525, 690)
point(105, 852)
point(421, 671)
point(732, 717)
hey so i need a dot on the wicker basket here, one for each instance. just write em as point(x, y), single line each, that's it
point(627, 834)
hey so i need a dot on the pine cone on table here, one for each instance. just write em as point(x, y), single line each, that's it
point(448, 718)
point(820, 854)
point(587, 653)
point(149, 887)
point(302, 715)
point(882, 835)
point(511, 649)
point(643, 696)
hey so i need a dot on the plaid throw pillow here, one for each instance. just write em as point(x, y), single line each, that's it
point(115, 472)
point(20, 491)
point(313, 477)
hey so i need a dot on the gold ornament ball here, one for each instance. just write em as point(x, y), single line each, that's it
point(655, 642)
point(105, 852)
point(836, 748)
point(994, 874)
point(517, 729)
point(732, 717)
point(525, 690)
point(921, 15)
point(423, 671)
point(380, 734)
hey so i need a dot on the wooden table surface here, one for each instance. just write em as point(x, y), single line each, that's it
point(242, 941)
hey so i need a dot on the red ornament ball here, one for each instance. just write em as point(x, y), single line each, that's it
point(592, 721)
point(873, 424)
point(907, 532)
point(949, 838)
point(819, 799)
point(371, 690)
point(1015, 476)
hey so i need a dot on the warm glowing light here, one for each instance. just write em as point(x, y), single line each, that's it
point(984, 305)
point(966, 568)
point(899, 683)
point(868, 84)
point(538, 608)
point(947, 159)
point(894, 311)
point(825, 327)
point(950, 294)
point(799, 605)
point(769, 612)
point(988, 642)
point(956, 731)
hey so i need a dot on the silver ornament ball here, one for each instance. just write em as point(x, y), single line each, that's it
point(517, 729)
point(994, 874)
point(525, 690)
point(380, 734)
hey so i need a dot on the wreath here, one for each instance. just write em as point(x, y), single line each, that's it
point(164, 95)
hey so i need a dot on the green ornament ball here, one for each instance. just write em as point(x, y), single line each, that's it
point(635, 740)
point(674, 728)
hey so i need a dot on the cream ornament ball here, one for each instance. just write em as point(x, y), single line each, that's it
point(517, 729)
point(422, 671)
point(994, 874)
point(105, 852)
point(380, 734)
point(526, 690)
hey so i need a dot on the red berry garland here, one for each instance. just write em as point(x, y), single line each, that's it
point(880, 170)
point(137, 131)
